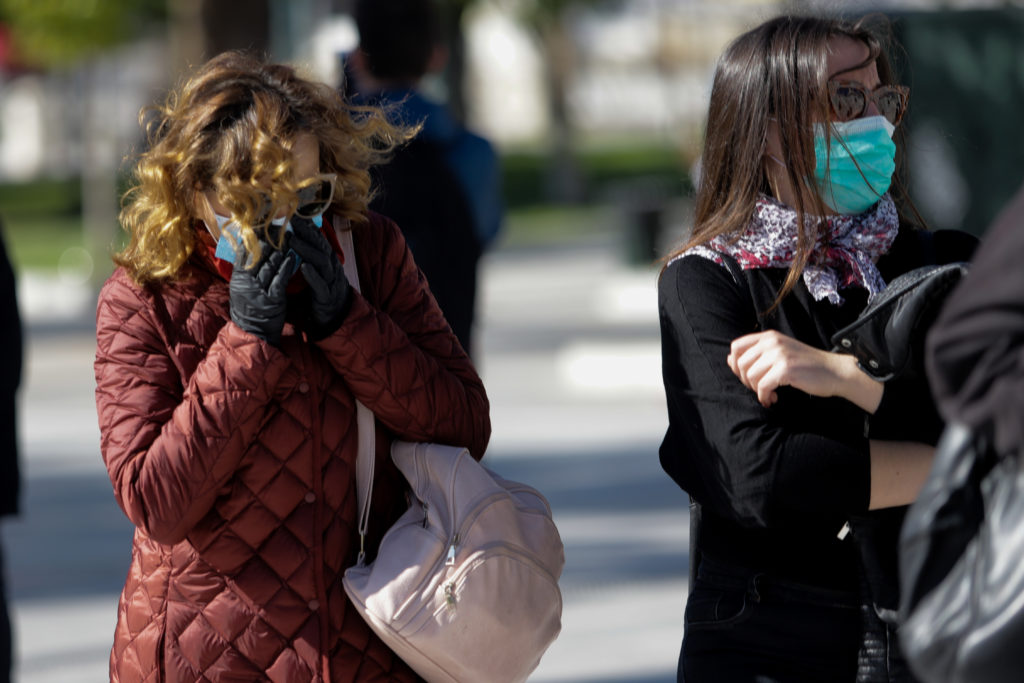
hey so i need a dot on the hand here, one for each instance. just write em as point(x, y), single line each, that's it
point(326, 278)
point(765, 361)
point(257, 295)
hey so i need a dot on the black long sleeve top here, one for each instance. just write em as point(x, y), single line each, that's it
point(777, 484)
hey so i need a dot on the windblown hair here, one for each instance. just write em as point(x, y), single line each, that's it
point(777, 71)
point(230, 129)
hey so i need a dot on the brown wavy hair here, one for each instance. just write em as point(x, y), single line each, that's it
point(778, 70)
point(230, 129)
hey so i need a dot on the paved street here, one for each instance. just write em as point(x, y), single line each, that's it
point(569, 354)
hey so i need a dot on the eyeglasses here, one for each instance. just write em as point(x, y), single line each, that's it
point(316, 196)
point(850, 100)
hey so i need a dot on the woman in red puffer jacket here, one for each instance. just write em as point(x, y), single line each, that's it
point(230, 352)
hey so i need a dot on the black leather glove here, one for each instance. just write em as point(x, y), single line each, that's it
point(257, 295)
point(330, 290)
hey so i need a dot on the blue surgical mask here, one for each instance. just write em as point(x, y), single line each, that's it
point(225, 226)
point(855, 169)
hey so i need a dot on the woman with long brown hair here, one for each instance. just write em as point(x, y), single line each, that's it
point(231, 350)
point(779, 440)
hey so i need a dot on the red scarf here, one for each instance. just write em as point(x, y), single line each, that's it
point(208, 249)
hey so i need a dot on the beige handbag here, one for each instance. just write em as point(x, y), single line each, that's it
point(465, 584)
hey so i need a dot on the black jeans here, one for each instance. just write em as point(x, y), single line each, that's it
point(746, 627)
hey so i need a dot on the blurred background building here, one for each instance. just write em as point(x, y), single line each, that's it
point(582, 96)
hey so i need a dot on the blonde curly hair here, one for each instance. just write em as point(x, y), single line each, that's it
point(230, 130)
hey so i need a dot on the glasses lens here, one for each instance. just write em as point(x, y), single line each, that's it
point(848, 102)
point(891, 104)
point(314, 199)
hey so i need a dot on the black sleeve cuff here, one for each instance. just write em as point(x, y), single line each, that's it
point(317, 332)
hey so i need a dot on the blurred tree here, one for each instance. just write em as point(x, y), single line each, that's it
point(75, 34)
point(452, 13)
point(549, 21)
point(230, 25)
point(50, 33)
point(78, 34)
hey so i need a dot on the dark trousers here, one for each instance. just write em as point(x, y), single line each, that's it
point(6, 649)
point(745, 627)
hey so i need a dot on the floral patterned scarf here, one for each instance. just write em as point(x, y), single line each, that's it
point(844, 256)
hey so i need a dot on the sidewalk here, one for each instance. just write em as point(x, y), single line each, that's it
point(568, 349)
point(571, 361)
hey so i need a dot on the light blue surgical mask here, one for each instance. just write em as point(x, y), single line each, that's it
point(227, 251)
point(855, 169)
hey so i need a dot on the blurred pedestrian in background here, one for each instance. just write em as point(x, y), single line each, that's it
point(230, 352)
point(10, 476)
point(779, 440)
point(443, 188)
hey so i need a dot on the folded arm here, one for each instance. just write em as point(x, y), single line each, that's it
point(399, 355)
point(169, 448)
point(760, 455)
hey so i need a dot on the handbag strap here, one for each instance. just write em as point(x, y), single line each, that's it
point(364, 416)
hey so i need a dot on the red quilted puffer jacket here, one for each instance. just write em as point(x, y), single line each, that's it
point(235, 460)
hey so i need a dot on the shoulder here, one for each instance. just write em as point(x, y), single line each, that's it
point(473, 146)
point(915, 247)
point(699, 267)
point(120, 296)
point(697, 281)
point(124, 304)
point(382, 254)
point(124, 315)
point(954, 245)
point(190, 282)
point(376, 233)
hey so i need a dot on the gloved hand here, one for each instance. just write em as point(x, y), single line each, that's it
point(323, 271)
point(257, 295)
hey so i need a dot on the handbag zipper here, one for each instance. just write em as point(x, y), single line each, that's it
point(499, 548)
point(431, 577)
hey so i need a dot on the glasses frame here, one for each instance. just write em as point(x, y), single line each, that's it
point(331, 179)
point(902, 91)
